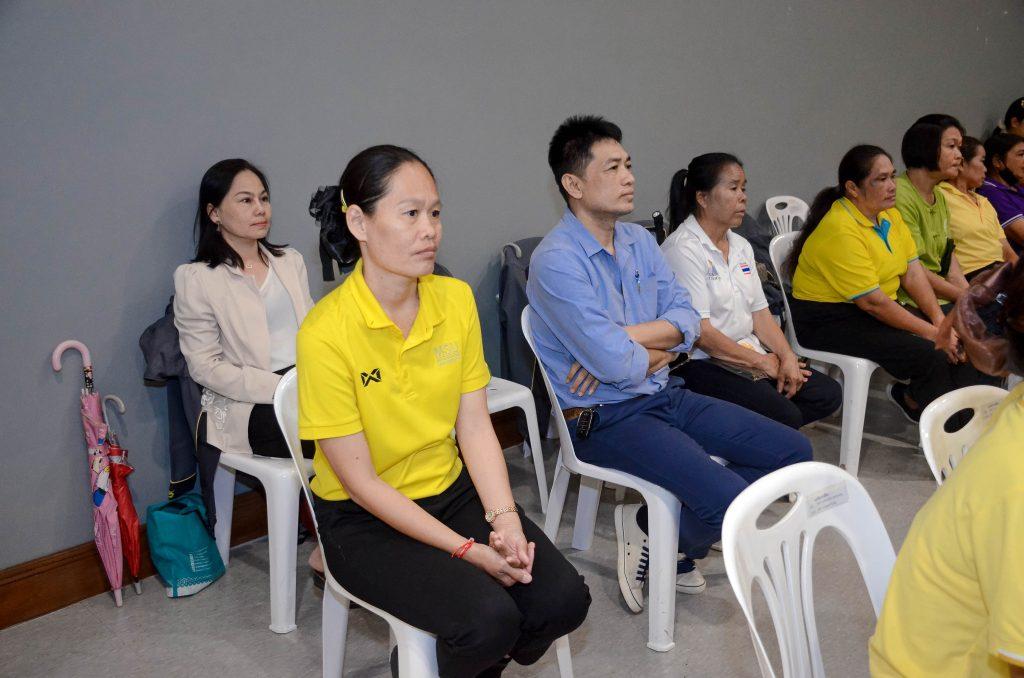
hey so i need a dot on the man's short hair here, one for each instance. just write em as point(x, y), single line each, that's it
point(569, 151)
point(921, 146)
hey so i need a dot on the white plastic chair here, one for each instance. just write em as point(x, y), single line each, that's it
point(504, 395)
point(417, 649)
point(663, 517)
point(783, 210)
point(856, 371)
point(945, 450)
point(281, 483)
point(778, 558)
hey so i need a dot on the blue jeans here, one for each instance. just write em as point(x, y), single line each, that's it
point(668, 438)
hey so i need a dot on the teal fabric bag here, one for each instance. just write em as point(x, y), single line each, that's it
point(184, 554)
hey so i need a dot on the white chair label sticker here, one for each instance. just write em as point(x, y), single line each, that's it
point(828, 498)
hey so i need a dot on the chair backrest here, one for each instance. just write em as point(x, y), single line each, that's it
point(286, 409)
point(783, 210)
point(563, 429)
point(944, 450)
point(779, 249)
point(778, 557)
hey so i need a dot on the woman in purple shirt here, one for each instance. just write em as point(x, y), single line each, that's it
point(1004, 159)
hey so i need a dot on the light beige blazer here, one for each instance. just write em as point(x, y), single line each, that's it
point(222, 330)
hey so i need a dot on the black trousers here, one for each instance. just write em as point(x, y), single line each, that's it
point(819, 397)
point(477, 620)
point(844, 328)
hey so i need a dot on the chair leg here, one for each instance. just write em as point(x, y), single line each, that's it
point(663, 538)
point(334, 632)
point(559, 487)
point(587, 503)
point(417, 652)
point(855, 401)
point(564, 655)
point(282, 538)
point(224, 503)
point(533, 432)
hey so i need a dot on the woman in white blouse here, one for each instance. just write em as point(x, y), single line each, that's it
point(238, 307)
point(742, 356)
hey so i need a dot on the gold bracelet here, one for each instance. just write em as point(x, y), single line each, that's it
point(494, 513)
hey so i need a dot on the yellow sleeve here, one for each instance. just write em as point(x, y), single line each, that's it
point(900, 232)
point(849, 269)
point(999, 559)
point(327, 398)
point(475, 374)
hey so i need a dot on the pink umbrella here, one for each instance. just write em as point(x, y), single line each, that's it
point(104, 506)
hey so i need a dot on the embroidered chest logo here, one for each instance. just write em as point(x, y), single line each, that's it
point(372, 375)
point(447, 353)
point(712, 271)
point(745, 267)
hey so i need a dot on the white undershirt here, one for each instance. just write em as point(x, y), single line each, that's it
point(281, 323)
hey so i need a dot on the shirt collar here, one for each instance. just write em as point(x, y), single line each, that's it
point(693, 226)
point(1002, 187)
point(429, 314)
point(587, 240)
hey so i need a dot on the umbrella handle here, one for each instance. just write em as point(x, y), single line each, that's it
point(110, 397)
point(63, 346)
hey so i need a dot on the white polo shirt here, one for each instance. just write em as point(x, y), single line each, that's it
point(725, 292)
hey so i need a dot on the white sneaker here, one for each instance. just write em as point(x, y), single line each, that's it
point(691, 582)
point(633, 556)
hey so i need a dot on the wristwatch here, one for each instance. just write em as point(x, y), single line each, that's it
point(494, 513)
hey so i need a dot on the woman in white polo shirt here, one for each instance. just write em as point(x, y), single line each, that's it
point(742, 355)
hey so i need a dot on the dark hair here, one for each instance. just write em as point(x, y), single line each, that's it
point(856, 167)
point(211, 248)
point(922, 144)
point(942, 120)
point(1012, 317)
point(569, 150)
point(1016, 110)
point(969, 148)
point(700, 176)
point(996, 148)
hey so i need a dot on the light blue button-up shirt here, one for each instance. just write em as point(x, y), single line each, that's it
point(583, 297)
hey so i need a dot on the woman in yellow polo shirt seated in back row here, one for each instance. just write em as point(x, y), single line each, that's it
point(852, 256)
point(973, 223)
point(388, 365)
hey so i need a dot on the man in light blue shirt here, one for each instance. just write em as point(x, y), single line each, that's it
point(609, 317)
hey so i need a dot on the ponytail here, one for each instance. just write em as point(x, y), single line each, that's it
point(819, 208)
point(678, 209)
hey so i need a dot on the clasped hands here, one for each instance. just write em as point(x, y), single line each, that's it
point(507, 556)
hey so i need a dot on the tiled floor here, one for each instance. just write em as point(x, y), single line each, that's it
point(222, 632)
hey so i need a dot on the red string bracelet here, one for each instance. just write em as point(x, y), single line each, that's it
point(461, 551)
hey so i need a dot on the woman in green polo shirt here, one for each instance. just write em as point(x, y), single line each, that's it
point(931, 154)
point(852, 256)
point(413, 522)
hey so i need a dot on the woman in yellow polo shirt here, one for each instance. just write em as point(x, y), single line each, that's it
point(389, 364)
point(955, 602)
point(973, 223)
point(852, 256)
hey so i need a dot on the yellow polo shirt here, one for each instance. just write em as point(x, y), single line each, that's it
point(955, 603)
point(974, 227)
point(845, 257)
point(358, 373)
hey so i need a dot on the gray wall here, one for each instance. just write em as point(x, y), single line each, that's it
point(112, 110)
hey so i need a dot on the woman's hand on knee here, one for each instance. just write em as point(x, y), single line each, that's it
point(496, 565)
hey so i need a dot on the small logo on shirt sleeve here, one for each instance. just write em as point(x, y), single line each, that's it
point(447, 353)
point(372, 375)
